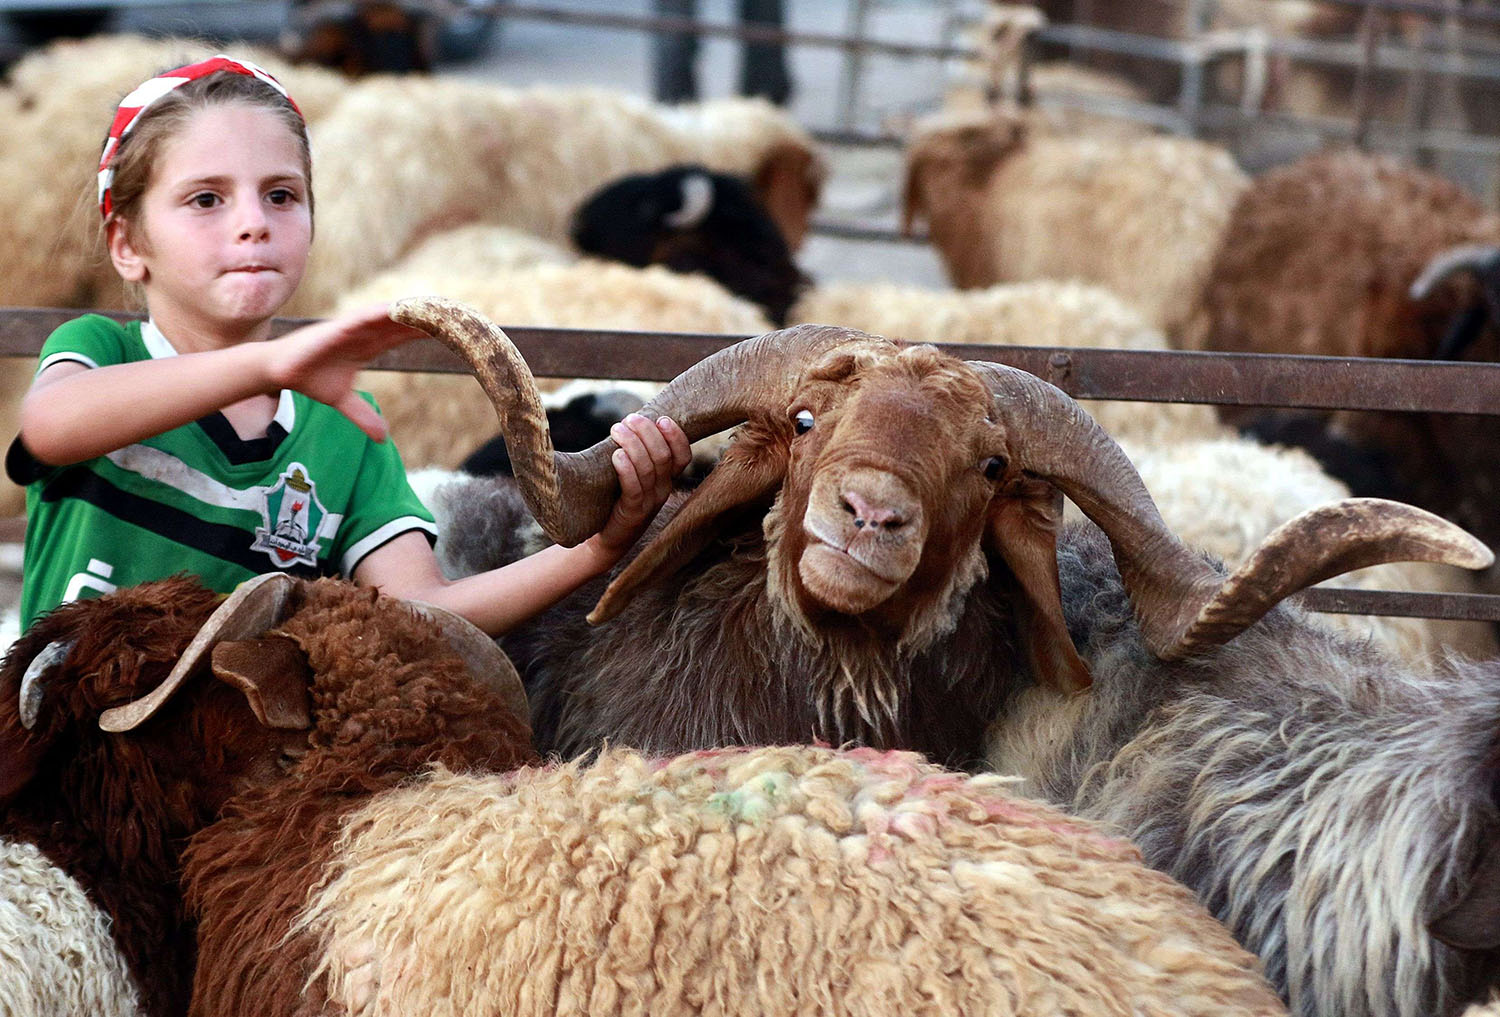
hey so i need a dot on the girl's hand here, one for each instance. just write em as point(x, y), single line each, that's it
point(321, 360)
point(649, 456)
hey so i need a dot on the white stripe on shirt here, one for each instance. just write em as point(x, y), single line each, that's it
point(390, 530)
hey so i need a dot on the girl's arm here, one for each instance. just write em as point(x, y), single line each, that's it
point(73, 413)
point(650, 455)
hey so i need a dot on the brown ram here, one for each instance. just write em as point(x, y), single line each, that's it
point(874, 558)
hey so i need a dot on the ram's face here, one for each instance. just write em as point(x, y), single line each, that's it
point(891, 467)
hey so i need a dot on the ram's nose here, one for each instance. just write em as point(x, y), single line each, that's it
point(876, 502)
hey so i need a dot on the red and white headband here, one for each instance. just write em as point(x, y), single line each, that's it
point(136, 103)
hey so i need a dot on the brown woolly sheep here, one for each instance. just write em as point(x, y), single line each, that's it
point(1348, 254)
point(872, 560)
point(629, 884)
point(114, 809)
point(1006, 203)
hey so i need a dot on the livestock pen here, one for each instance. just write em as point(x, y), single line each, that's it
point(1153, 376)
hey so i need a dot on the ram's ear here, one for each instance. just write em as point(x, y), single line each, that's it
point(788, 182)
point(1022, 528)
point(751, 469)
point(1473, 921)
point(273, 673)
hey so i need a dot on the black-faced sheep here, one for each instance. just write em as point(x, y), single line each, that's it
point(691, 219)
point(872, 560)
point(1348, 254)
point(744, 882)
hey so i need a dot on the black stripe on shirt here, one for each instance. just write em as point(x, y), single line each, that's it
point(227, 543)
point(237, 450)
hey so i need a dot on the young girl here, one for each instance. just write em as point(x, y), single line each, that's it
point(195, 442)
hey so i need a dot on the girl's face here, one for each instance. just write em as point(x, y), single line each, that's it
point(224, 225)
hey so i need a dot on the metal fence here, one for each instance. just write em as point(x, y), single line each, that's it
point(1441, 42)
point(1232, 379)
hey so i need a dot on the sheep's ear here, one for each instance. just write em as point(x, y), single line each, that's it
point(273, 673)
point(787, 182)
point(1023, 523)
point(751, 469)
point(913, 208)
point(1473, 921)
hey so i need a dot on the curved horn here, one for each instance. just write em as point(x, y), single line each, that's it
point(33, 685)
point(255, 606)
point(571, 493)
point(1321, 543)
point(1469, 257)
point(697, 201)
point(1184, 605)
point(482, 655)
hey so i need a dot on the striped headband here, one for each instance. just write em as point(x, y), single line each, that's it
point(137, 102)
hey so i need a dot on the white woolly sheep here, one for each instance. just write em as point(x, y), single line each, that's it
point(399, 160)
point(755, 881)
point(59, 101)
point(1141, 216)
point(56, 953)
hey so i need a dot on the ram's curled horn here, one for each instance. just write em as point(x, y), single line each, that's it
point(34, 681)
point(571, 494)
point(255, 606)
point(1469, 257)
point(1184, 605)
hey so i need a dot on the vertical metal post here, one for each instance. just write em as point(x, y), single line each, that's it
point(1371, 28)
point(1190, 93)
point(854, 65)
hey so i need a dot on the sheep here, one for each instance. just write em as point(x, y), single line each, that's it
point(633, 883)
point(1334, 809)
point(1283, 281)
point(1217, 491)
point(755, 881)
point(693, 220)
point(59, 100)
point(1005, 202)
point(399, 160)
point(437, 420)
point(909, 638)
point(113, 809)
point(56, 954)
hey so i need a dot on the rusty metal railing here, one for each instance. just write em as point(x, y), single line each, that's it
point(1232, 379)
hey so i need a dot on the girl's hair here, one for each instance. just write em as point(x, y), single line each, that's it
point(135, 160)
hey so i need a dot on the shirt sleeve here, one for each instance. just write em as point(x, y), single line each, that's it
point(383, 506)
point(91, 340)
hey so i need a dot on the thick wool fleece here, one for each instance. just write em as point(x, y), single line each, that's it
point(56, 954)
point(389, 698)
point(756, 881)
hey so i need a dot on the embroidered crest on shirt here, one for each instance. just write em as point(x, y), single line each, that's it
point(291, 514)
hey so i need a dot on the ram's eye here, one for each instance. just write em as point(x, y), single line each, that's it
point(803, 421)
point(993, 467)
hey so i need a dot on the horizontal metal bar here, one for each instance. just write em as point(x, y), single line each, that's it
point(1225, 379)
point(853, 231)
point(1390, 603)
point(1466, 14)
point(749, 32)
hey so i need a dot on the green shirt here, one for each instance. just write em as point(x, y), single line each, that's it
point(313, 497)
